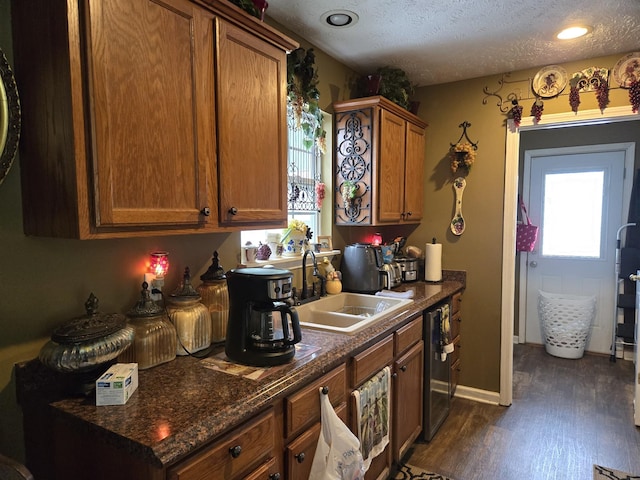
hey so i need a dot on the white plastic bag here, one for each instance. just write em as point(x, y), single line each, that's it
point(338, 454)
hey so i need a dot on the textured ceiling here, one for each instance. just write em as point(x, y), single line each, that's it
point(439, 41)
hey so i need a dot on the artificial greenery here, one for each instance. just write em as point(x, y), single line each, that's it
point(395, 85)
point(248, 6)
point(303, 96)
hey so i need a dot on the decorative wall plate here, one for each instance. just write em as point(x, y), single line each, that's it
point(550, 81)
point(592, 77)
point(627, 69)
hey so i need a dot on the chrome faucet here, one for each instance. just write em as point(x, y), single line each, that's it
point(304, 294)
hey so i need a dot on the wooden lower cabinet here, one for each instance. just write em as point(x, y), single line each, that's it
point(234, 456)
point(300, 452)
point(407, 406)
point(280, 442)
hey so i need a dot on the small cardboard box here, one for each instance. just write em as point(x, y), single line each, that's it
point(116, 385)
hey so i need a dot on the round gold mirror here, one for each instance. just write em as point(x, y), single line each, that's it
point(9, 117)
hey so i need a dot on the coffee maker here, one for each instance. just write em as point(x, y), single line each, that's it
point(262, 328)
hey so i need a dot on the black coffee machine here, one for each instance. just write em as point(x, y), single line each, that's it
point(262, 329)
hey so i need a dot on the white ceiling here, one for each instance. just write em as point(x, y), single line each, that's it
point(439, 41)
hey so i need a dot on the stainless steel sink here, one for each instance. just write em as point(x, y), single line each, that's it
point(348, 313)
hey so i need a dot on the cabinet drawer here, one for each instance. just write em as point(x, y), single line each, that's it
point(408, 335)
point(265, 471)
point(302, 409)
point(456, 302)
point(456, 320)
point(300, 452)
point(247, 446)
point(372, 360)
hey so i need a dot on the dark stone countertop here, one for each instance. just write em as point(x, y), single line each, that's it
point(182, 405)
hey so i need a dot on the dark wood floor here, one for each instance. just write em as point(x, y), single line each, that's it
point(566, 415)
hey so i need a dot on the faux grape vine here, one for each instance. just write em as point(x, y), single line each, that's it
point(634, 95)
point(574, 98)
point(536, 109)
point(602, 92)
point(516, 114)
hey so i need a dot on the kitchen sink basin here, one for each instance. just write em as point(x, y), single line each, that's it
point(348, 312)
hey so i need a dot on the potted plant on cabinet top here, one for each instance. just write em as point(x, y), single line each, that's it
point(303, 96)
point(394, 85)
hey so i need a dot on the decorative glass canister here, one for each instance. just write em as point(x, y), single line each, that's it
point(215, 296)
point(87, 343)
point(190, 317)
point(154, 340)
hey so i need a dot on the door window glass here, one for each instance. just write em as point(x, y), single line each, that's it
point(572, 214)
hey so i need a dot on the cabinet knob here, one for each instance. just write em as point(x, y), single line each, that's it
point(235, 451)
point(403, 368)
point(233, 211)
point(409, 214)
point(394, 375)
point(274, 476)
point(206, 211)
point(300, 457)
point(325, 390)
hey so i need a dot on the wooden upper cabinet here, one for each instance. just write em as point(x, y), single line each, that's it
point(379, 147)
point(136, 117)
point(150, 85)
point(252, 129)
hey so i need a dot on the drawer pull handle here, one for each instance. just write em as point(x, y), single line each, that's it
point(325, 390)
point(300, 457)
point(235, 451)
point(274, 476)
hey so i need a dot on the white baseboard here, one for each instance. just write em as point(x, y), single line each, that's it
point(482, 396)
point(516, 339)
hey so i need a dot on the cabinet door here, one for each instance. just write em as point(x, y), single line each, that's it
point(414, 174)
point(390, 194)
point(252, 135)
point(407, 415)
point(150, 91)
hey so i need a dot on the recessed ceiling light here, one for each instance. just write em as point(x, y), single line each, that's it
point(573, 32)
point(340, 18)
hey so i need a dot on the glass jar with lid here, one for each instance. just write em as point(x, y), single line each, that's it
point(215, 296)
point(190, 317)
point(154, 339)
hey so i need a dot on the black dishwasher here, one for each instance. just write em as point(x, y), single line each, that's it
point(437, 368)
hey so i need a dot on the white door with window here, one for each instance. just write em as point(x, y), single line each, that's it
point(579, 197)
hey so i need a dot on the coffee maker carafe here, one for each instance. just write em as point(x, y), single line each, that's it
point(262, 328)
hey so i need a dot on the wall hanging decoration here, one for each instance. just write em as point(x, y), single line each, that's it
point(626, 72)
point(10, 117)
point(550, 81)
point(574, 91)
point(516, 113)
point(303, 96)
point(463, 153)
point(457, 222)
point(536, 109)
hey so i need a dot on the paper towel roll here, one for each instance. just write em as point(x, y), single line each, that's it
point(433, 262)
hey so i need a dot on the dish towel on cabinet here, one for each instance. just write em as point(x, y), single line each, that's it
point(372, 412)
point(446, 347)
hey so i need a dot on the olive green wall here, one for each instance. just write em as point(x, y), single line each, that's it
point(479, 249)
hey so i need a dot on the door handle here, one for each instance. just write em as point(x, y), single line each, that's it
point(533, 264)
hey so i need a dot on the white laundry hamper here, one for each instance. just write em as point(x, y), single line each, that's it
point(566, 321)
